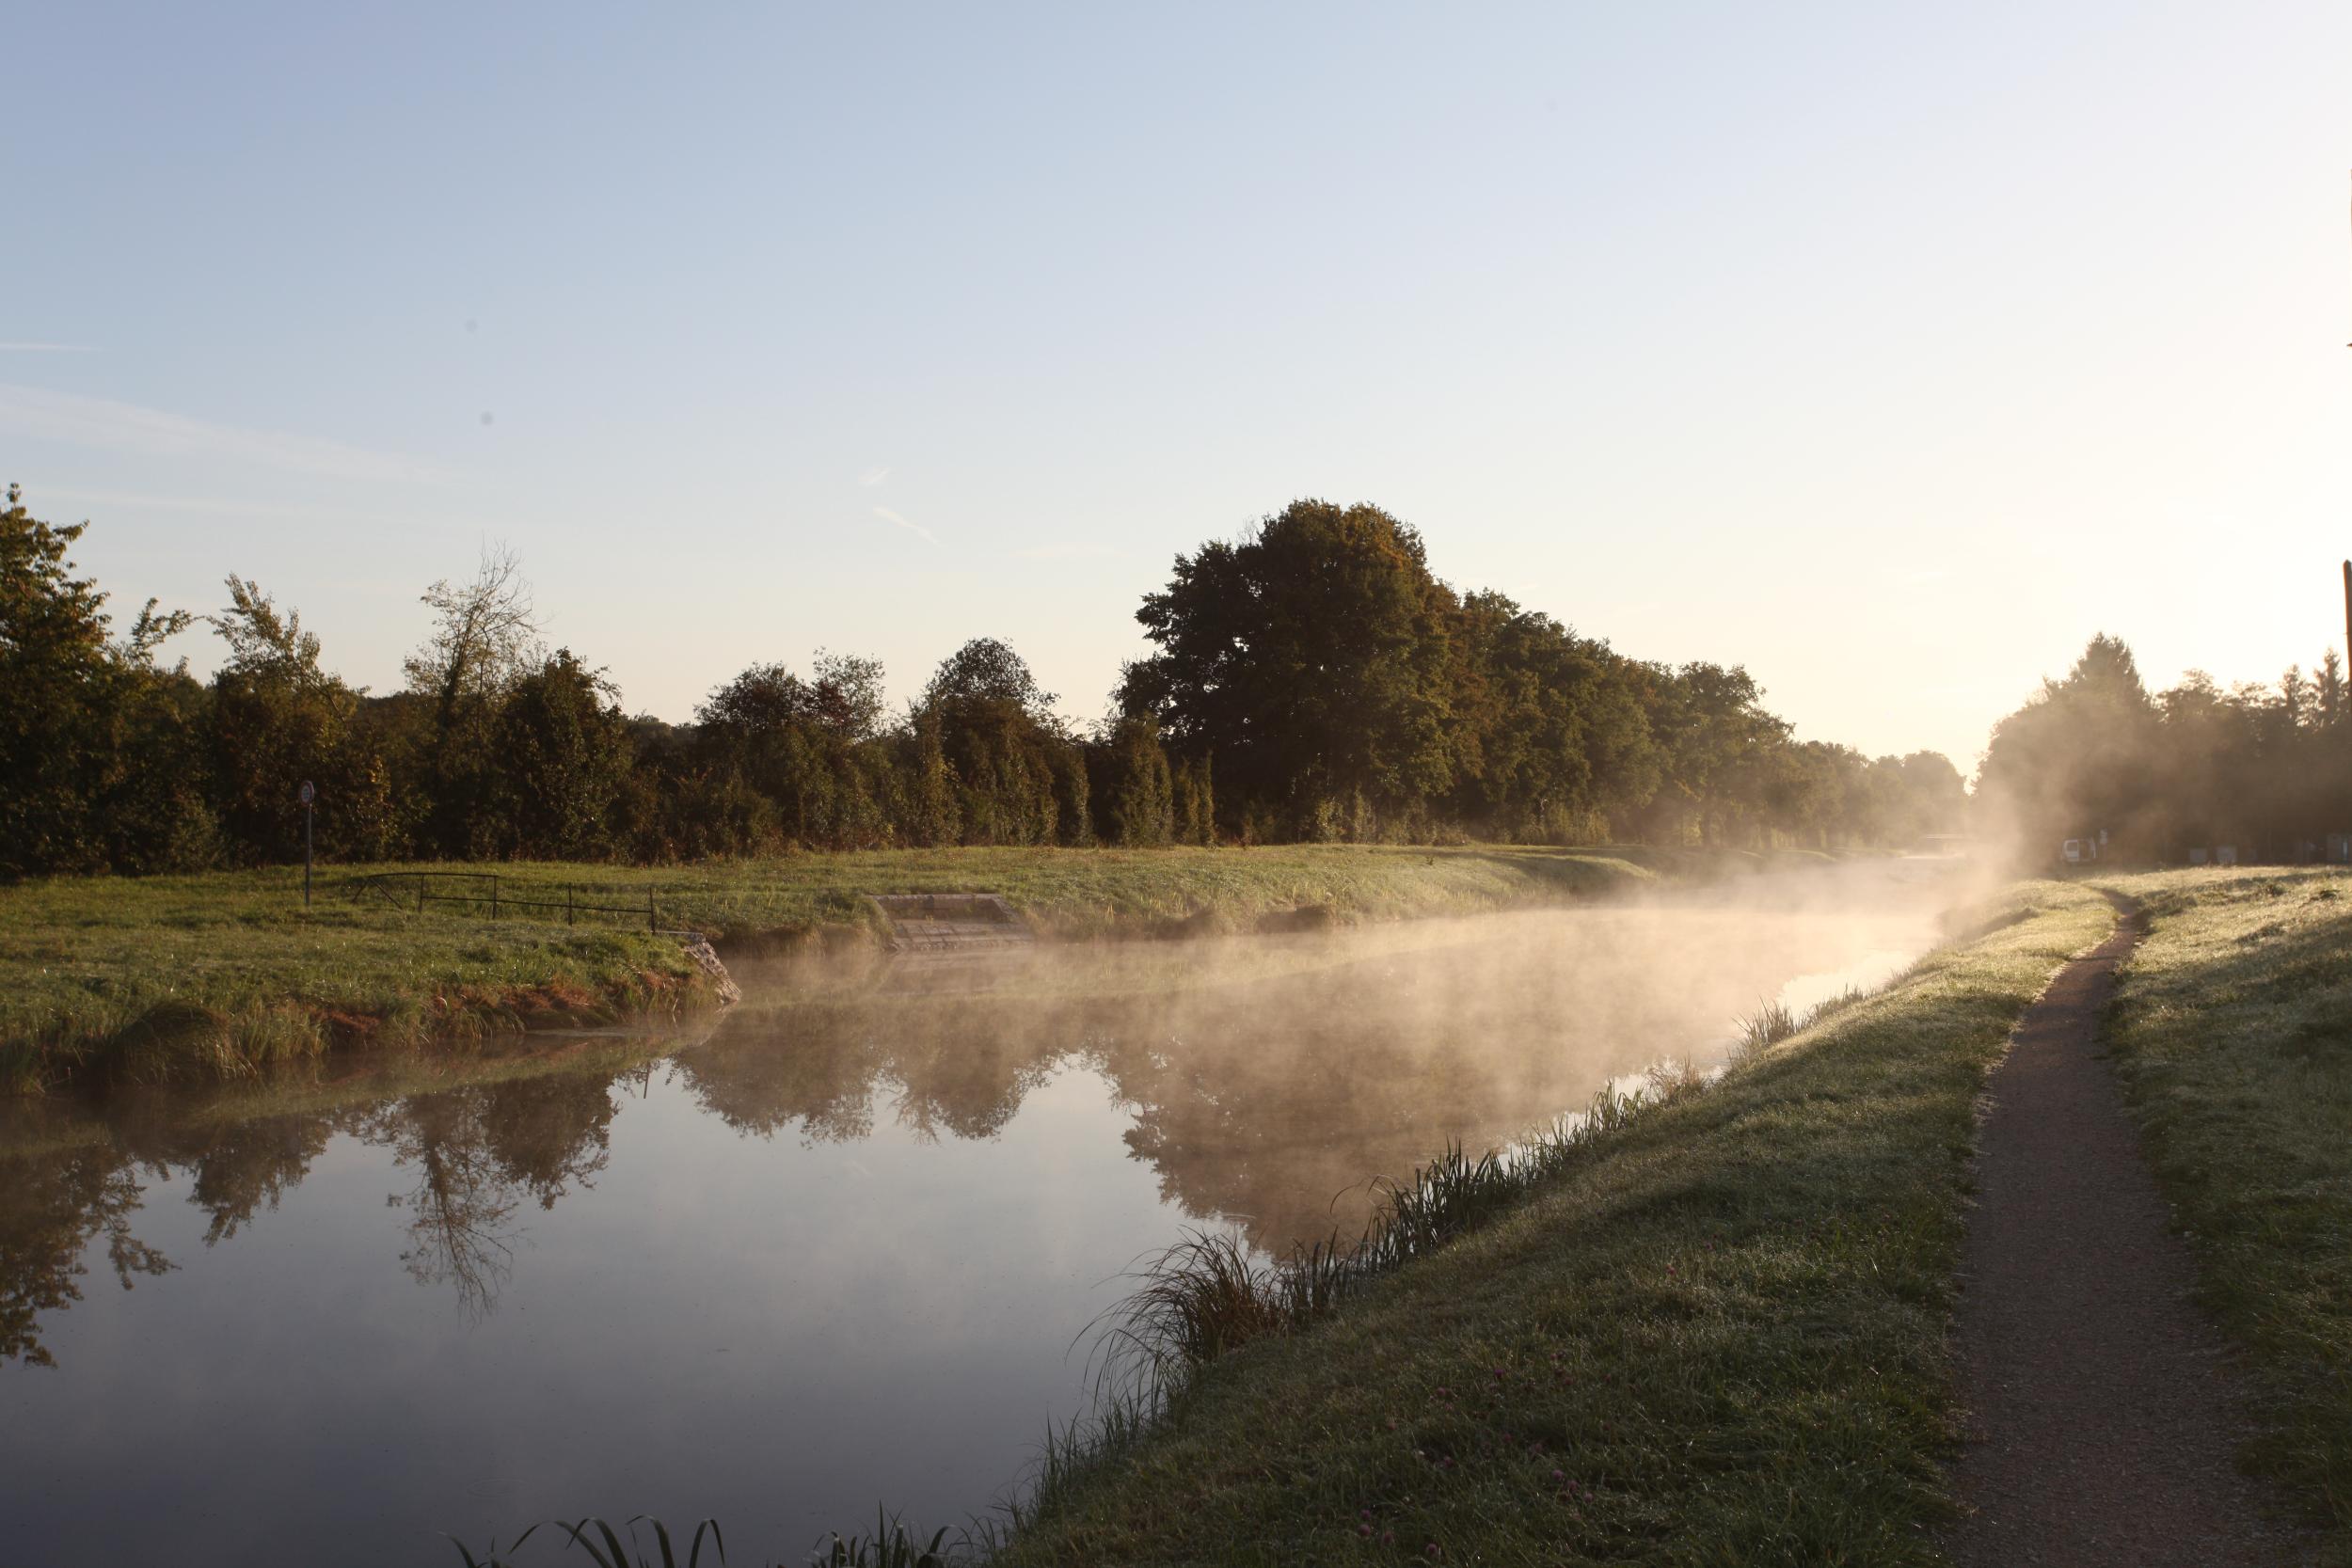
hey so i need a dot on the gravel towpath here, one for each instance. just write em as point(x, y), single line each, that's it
point(2102, 1416)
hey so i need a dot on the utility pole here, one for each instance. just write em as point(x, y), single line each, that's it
point(2347, 614)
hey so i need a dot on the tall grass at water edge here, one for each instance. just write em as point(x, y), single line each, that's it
point(1774, 1021)
point(1207, 1294)
point(891, 1546)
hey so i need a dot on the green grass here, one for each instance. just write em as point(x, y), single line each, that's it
point(1715, 1335)
point(2231, 1033)
point(212, 976)
point(1099, 893)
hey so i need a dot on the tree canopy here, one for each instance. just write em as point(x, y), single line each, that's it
point(2264, 770)
point(1313, 678)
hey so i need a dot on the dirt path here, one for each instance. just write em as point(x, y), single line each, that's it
point(2103, 1421)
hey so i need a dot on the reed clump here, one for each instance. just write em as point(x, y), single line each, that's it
point(602, 1543)
point(1207, 1295)
point(890, 1545)
point(1774, 1021)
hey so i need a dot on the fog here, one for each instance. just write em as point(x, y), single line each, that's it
point(831, 1248)
point(1269, 1079)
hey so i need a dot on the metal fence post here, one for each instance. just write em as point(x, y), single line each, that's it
point(494, 898)
point(421, 887)
point(653, 922)
point(570, 918)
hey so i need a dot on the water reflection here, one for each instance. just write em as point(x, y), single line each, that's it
point(1266, 1083)
point(479, 1154)
point(535, 1128)
point(830, 1250)
point(1263, 1082)
point(54, 1208)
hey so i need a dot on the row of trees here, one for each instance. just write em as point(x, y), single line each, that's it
point(2264, 769)
point(1311, 680)
point(1346, 692)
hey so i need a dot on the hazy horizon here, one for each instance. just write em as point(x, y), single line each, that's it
point(1890, 357)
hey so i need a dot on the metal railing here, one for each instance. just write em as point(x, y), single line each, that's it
point(482, 890)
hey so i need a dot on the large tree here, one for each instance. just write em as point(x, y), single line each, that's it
point(279, 719)
point(804, 745)
point(68, 696)
point(2078, 759)
point(563, 753)
point(1019, 778)
point(1311, 659)
point(1549, 734)
point(484, 638)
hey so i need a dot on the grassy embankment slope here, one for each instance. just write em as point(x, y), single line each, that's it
point(1718, 1338)
point(2231, 1033)
point(196, 976)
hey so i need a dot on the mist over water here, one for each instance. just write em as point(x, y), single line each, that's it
point(832, 1249)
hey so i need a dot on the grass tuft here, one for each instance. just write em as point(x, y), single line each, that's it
point(1770, 1023)
point(891, 1546)
point(1208, 1294)
point(1774, 1022)
point(602, 1543)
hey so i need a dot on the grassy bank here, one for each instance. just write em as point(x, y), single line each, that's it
point(2231, 1033)
point(211, 977)
point(208, 976)
point(1716, 1337)
point(1112, 893)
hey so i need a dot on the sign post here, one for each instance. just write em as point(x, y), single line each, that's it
point(308, 795)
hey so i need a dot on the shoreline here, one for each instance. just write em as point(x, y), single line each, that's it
point(1762, 1269)
point(210, 977)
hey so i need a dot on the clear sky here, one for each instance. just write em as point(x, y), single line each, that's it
point(1889, 350)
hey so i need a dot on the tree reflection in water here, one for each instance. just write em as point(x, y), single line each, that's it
point(479, 1152)
point(1265, 1092)
point(55, 1208)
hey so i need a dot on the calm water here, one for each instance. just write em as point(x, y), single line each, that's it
point(835, 1249)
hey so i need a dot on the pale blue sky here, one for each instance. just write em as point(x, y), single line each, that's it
point(1888, 350)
